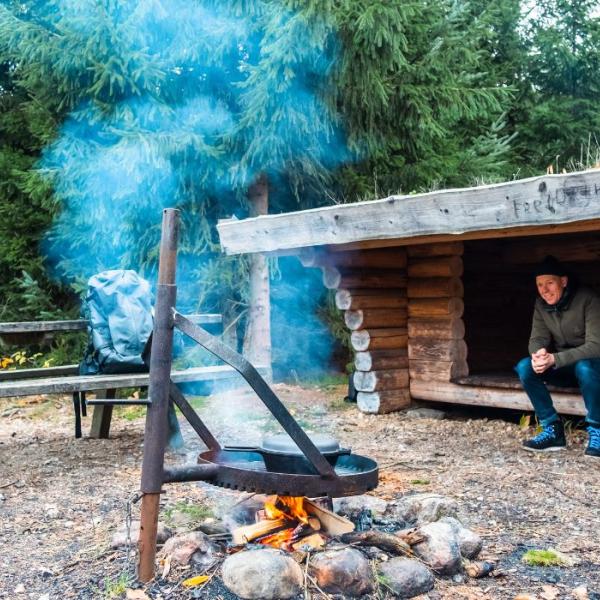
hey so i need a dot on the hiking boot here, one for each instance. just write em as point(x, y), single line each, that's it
point(550, 439)
point(593, 448)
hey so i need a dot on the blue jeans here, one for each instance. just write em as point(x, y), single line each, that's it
point(584, 373)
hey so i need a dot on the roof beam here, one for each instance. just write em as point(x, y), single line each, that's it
point(515, 206)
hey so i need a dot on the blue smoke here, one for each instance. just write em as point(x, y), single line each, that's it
point(183, 104)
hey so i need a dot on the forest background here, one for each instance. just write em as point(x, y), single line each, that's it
point(111, 110)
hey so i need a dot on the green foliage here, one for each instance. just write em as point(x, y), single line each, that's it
point(545, 558)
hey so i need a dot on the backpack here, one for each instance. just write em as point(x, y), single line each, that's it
point(118, 307)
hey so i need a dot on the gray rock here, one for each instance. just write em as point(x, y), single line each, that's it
point(345, 572)
point(266, 574)
point(425, 413)
point(407, 578)
point(351, 506)
point(194, 547)
point(119, 538)
point(424, 508)
point(469, 542)
point(440, 549)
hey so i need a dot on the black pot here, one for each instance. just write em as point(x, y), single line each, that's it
point(282, 455)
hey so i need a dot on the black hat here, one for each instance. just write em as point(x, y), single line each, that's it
point(550, 266)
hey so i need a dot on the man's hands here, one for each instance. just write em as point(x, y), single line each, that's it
point(542, 360)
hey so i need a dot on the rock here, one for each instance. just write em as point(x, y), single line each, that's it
point(241, 512)
point(119, 538)
point(345, 572)
point(352, 506)
point(580, 593)
point(406, 577)
point(195, 547)
point(266, 574)
point(212, 526)
point(424, 508)
point(469, 542)
point(20, 589)
point(425, 413)
point(440, 549)
point(51, 511)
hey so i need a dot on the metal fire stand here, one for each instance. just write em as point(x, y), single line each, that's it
point(229, 467)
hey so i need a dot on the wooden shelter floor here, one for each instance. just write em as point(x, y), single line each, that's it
point(505, 380)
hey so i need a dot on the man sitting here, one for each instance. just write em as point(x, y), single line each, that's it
point(565, 351)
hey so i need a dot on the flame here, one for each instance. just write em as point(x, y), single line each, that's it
point(286, 507)
point(278, 539)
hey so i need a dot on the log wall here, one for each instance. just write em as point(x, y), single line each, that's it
point(436, 347)
point(371, 290)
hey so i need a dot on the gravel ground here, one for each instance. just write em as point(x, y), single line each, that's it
point(61, 499)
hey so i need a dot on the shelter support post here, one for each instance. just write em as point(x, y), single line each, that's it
point(156, 430)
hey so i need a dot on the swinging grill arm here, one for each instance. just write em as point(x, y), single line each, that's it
point(262, 389)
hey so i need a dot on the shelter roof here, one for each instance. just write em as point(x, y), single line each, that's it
point(538, 205)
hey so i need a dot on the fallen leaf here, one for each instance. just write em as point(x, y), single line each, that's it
point(166, 567)
point(136, 595)
point(194, 581)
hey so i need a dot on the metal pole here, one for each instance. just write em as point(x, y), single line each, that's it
point(155, 436)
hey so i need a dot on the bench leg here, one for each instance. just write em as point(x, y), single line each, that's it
point(101, 418)
point(77, 409)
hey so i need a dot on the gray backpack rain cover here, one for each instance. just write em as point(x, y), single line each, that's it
point(118, 306)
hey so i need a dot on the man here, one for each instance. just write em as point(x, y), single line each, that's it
point(565, 351)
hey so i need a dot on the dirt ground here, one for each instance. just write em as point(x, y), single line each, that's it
point(61, 499)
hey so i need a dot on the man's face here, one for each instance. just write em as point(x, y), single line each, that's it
point(551, 287)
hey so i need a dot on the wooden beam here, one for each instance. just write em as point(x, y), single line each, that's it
point(541, 203)
point(370, 298)
point(68, 384)
point(437, 391)
point(383, 402)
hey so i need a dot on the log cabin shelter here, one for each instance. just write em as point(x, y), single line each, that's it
point(437, 289)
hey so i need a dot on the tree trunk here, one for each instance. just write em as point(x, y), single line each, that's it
point(257, 340)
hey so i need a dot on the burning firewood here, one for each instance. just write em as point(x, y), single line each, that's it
point(248, 533)
point(312, 542)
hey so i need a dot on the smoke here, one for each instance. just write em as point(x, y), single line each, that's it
point(183, 104)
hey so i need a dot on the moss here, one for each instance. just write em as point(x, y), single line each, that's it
point(544, 558)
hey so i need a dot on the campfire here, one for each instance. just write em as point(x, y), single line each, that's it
point(292, 523)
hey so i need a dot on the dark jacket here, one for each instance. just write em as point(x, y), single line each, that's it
point(570, 329)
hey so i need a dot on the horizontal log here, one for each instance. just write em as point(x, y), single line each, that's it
point(538, 205)
point(359, 299)
point(396, 358)
point(437, 370)
point(436, 307)
point(379, 339)
point(437, 391)
point(443, 266)
point(435, 287)
point(376, 317)
point(383, 402)
point(377, 258)
point(373, 278)
point(584, 248)
point(377, 381)
point(433, 349)
point(439, 249)
point(445, 329)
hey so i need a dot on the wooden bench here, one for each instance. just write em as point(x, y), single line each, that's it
point(66, 379)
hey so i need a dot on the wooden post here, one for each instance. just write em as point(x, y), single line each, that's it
point(155, 436)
